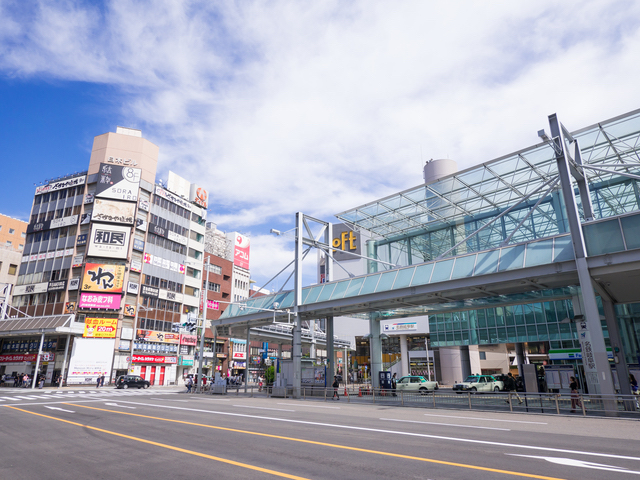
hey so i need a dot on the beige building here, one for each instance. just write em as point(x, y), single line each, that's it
point(13, 232)
point(12, 240)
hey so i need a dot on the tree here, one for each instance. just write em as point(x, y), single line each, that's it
point(270, 374)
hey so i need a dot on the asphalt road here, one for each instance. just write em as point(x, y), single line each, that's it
point(167, 434)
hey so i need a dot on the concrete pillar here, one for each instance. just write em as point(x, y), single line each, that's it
point(520, 358)
point(375, 350)
point(404, 356)
point(616, 344)
point(331, 365)
point(465, 362)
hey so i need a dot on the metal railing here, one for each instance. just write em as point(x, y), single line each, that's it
point(625, 406)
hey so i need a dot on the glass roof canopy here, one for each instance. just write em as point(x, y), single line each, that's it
point(496, 185)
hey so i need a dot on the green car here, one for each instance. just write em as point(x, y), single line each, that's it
point(479, 383)
point(415, 383)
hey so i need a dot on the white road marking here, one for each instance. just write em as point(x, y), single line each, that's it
point(310, 406)
point(572, 462)
point(61, 409)
point(447, 424)
point(117, 405)
point(26, 397)
point(486, 419)
point(394, 432)
point(265, 408)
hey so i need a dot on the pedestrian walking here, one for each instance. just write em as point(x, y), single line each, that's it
point(25, 381)
point(59, 380)
point(259, 383)
point(41, 382)
point(575, 395)
point(16, 380)
point(102, 381)
point(98, 381)
point(394, 384)
point(510, 387)
point(189, 384)
point(634, 384)
point(335, 388)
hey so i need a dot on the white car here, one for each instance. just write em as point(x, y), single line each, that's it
point(414, 383)
point(479, 383)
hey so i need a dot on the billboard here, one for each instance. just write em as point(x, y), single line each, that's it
point(110, 241)
point(113, 212)
point(90, 358)
point(100, 301)
point(241, 251)
point(130, 310)
point(101, 277)
point(100, 327)
point(199, 196)
point(188, 340)
point(153, 359)
point(118, 182)
point(153, 336)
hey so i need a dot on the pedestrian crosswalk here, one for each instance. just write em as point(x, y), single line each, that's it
point(63, 395)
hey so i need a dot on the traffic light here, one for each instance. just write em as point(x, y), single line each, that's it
point(190, 325)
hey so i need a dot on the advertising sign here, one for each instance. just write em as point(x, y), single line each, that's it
point(77, 261)
point(211, 305)
point(113, 212)
point(143, 205)
point(101, 277)
point(138, 245)
point(100, 327)
point(59, 185)
point(147, 291)
point(153, 336)
point(110, 241)
point(133, 288)
point(81, 240)
point(57, 286)
point(188, 340)
point(141, 224)
point(70, 307)
point(85, 219)
point(74, 284)
point(173, 296)
point(29, 289)
point(118, 182)
point(198, 195)
point(153, 359)
point(88, 198)
point(172, 198)
point(130, 310)
point(90, 358)
point(241, 251)
point(54, 223)
point(345, 240)
point(136, 266)
point(100, 301)
point(186, 360)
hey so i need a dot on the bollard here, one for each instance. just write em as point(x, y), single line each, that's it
point(557, 404)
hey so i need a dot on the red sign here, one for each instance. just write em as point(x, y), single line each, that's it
point(153, 359)
point(19, 357)
point(241, 252)
point(211, 305)
point(188, 340)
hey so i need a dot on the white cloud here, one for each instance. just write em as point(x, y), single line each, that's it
point(278, 107)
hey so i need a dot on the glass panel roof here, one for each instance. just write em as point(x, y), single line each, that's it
point(501, 183)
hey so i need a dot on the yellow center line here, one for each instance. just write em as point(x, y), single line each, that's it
point(170, 447)
point(331, 445)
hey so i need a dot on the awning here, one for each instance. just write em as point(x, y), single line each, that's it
point(49, 324)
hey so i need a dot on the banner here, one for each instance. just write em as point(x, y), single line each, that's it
point(100, 301)
point(59, 185)
point(118, 182)
point(188, 340)
point(100, 327)
point(130, 310)
point(101, 277)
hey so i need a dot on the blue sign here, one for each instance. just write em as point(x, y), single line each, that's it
point(82, 240)
point(138, 245)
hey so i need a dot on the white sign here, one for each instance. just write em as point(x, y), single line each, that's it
point(133, 288)
point(52, 187)
point(74, 283)
point(110, 241)
point(118, 182)
point(29, 289)
point(172, 198)
point(64, 222)
point(90, 358)
point(113, 212)
point(173, 296)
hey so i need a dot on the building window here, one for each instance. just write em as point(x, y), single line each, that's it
point(483, 355)
point(11, 231)
point(215, 269)
point(8, 243)
point(213, 287)
point(12, 269)
point(23, 234)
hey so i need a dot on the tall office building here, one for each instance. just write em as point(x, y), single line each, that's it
point(111, 270)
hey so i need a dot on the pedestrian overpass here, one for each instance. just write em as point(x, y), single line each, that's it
point(557, 221)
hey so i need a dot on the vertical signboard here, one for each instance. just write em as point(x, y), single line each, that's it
point(118, 182)
point(241, 251)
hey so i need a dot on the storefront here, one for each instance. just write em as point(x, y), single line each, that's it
point(155, 356)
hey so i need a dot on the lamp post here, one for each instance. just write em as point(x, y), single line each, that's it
point(204, 324)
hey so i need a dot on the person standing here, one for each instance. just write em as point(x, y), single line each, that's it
point(634, 384)
point(189, 384)
point(511, 387)
point(98, 379)
point(394, 384)
point(102, 381)
point(575, 395)
point(335, 388)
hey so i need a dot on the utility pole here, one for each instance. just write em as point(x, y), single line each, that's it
point(204, 323)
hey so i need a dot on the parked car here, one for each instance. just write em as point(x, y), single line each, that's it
point(131, 381)
point(479, 383)
point(415, 383)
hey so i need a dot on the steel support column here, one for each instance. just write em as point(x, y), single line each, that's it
point(331, 355)
point(376, 349)
point(297, 326)
point(594, 354)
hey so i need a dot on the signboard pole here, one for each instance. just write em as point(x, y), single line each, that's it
point(34, 380)
point(204, 323)
point(64, 362)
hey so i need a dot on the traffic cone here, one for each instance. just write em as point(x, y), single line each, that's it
point(359, 391)
point(345, 390)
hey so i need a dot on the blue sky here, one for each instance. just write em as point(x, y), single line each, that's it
point(278, 107)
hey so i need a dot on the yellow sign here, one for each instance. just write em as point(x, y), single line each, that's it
point(99, 277)
point(345, 237)
point(100, 327)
